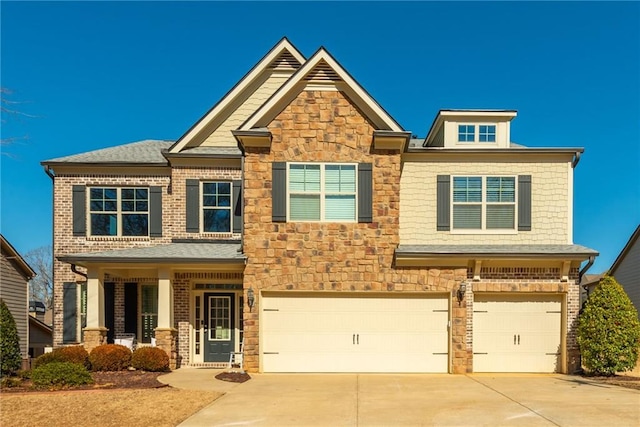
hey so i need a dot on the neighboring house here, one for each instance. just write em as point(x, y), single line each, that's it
point(298, 221)
point(14, 291)
point(625, 269)
point(40, 333)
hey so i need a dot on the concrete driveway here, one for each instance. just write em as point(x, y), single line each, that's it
point(421, 400)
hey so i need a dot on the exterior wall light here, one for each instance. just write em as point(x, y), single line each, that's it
point(461, 291)
point(251, 298)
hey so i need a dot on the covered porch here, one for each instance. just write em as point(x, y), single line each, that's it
point(185, 298)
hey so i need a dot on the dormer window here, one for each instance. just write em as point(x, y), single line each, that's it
point(466, 133)
point(486, 133)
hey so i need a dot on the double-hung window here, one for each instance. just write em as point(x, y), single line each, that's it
point(322, 192)
point(119, 211)
point(486, 133)
point(484, 203)
point(216, 207)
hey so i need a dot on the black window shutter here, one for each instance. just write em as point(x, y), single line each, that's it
point(444, 203)
point(524, 202)
point(70, 312)
point(237, 206)
point(155, 211)
point(79, 210)
point(365, 192)
point(193, 206)
point(279, 192)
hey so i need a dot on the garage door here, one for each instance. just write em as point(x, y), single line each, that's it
point(517, 333)
point(351, 333)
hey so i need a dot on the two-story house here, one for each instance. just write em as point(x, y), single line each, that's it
point(298, 221)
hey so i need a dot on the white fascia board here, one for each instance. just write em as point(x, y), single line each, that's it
point(258, 69)
point(296, 83)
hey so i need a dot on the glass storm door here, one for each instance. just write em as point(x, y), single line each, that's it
point(218, 327)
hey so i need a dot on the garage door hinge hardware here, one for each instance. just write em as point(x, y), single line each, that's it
point(555, 311)
point(271, 352)
point(441, 353)
point(480, 353)
point(440, 311)
point(552, 354)
point(270, 309)
point(480, 311)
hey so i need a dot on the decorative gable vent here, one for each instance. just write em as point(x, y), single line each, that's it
point(322, 73)
point(285, 61)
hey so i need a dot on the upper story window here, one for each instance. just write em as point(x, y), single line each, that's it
point(486, 133)
point(484, 203)
point(322, 192)
point(119, 211)
point(216, 207)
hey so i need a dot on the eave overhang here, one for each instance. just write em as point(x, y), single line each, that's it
point(253, 138)
point(390, 140)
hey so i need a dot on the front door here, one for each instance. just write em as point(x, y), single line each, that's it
point(219, 326)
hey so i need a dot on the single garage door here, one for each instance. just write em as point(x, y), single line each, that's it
point(352, 333)
point(517, 333)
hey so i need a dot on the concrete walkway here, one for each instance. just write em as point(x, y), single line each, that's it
point(410, 400)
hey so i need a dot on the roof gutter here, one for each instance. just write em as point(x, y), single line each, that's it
point(576, 159)
point(584, 269)
point(565, 256)
point(74, 268)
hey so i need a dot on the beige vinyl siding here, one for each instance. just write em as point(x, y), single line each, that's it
point(628, 274)
point(243, 108)
point(13, 290)
point(549, 192)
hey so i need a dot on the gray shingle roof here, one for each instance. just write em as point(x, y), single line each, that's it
point(217, 252)
point(147, 151)
point(502, 251)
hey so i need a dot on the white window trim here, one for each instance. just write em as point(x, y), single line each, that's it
point(484, 204)
point(119, 212)
point(476, 134)
point(202, 207)
point(322, 192)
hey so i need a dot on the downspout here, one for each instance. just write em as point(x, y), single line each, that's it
point(241, 250)
point(576, 159)
point(74, 268)
point(582, 272)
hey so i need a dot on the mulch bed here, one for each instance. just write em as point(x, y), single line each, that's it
point(103, 381)
point(626, 381)
point(233, 377)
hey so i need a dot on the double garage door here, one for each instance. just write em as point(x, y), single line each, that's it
point(352, 333)
point(517, 333)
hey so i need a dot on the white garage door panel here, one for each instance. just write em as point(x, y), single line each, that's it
point(516, 333)
point(349, 334)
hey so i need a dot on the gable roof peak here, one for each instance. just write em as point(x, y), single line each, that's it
point(282, 56)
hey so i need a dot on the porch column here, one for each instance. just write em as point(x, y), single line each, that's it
point(165, 299)
point(165, 332)
point(95, 333)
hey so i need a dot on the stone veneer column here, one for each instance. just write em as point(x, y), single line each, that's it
point(166, 340)
point(93, 337)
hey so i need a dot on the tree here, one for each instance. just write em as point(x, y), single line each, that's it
point(41, 286)
point(8, 109)
point(10, 358)
point(609, 330)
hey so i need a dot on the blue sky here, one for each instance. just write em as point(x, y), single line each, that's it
point(99, 74)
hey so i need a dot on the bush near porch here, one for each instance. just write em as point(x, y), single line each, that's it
point(110, 357)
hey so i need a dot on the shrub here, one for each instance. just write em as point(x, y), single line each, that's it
point(10, 358)
point(45, 359)
point(60, 374)
point(74, 354)
point(110, 357)
point(609, 330)
point(151, 359)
